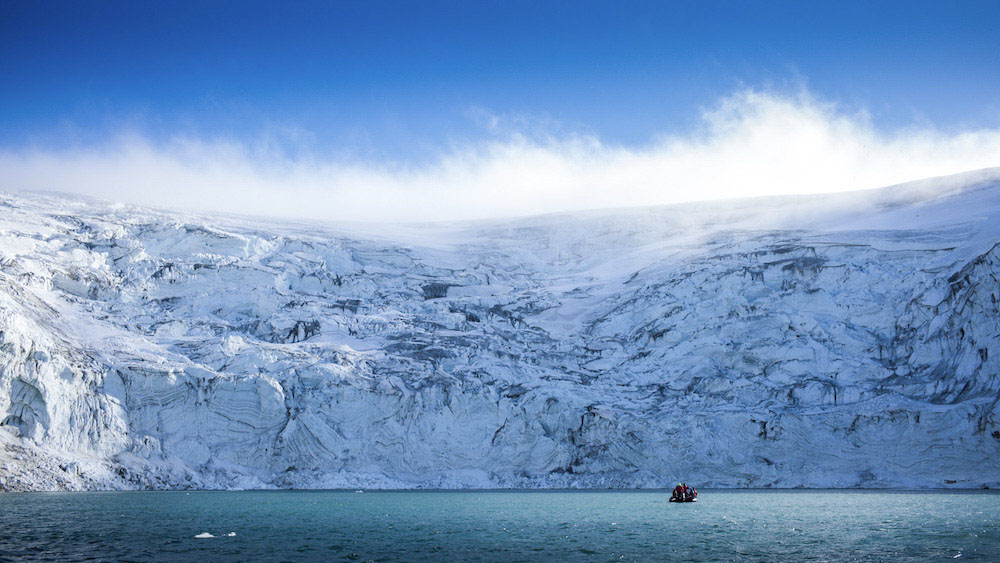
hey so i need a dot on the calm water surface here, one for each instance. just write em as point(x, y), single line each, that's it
point(502, 525)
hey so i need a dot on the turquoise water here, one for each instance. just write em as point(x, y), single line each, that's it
point(502, 525)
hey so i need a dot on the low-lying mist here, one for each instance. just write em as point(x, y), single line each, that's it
point(751, 143)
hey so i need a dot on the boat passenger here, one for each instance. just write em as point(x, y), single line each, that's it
point(678, 492)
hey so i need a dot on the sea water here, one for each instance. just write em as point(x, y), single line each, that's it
point(500, 525)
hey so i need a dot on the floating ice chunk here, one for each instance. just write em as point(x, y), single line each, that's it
point(204, 535)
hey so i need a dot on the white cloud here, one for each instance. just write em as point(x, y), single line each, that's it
point(751, 143)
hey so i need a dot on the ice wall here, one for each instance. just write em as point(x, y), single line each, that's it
point(836, 341)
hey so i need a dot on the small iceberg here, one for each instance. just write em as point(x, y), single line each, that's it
point(204, 535)
point(231, 534)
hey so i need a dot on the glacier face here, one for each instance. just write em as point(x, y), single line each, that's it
point(828, 341)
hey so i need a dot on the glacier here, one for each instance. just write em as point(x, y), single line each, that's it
point(843, 340)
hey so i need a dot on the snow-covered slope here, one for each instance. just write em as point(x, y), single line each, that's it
point(845, 340)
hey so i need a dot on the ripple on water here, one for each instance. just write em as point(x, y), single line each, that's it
point(776, 525)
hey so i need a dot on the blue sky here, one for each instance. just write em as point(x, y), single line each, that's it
point(385, 75)
point(408, 82)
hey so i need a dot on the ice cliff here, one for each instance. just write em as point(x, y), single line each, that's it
point(828, 341)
